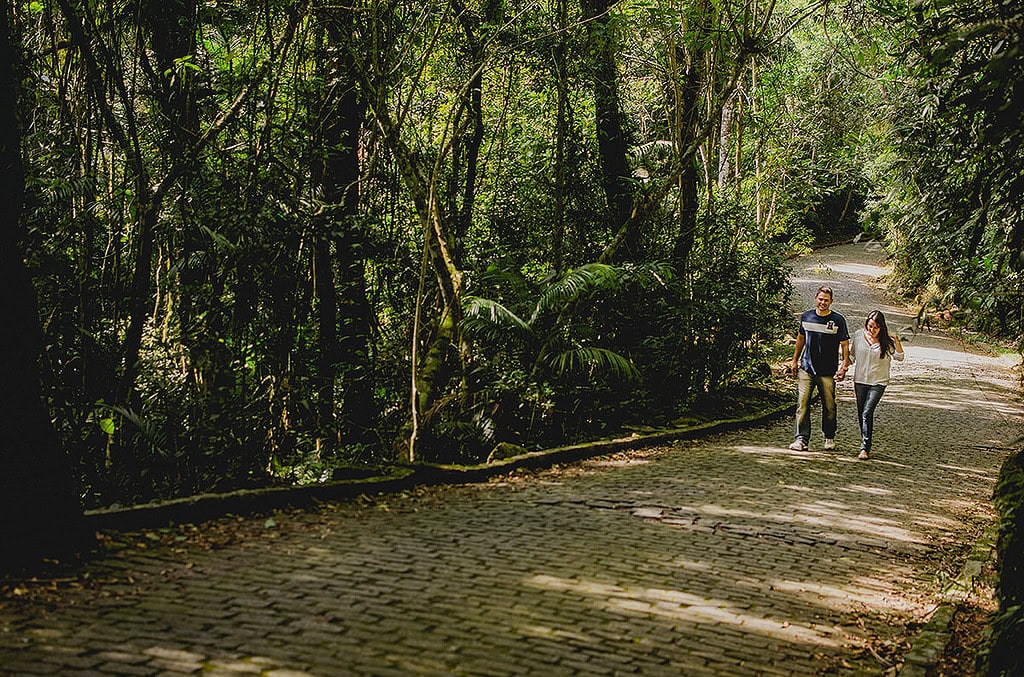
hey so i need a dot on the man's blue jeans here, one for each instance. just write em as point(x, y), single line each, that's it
point(826, 387)
point(867, 400)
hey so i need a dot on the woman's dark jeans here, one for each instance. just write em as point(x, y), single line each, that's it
point(867, 400)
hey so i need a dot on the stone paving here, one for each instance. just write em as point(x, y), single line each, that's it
point(728, 555)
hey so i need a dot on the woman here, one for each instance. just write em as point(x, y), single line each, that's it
point(872, 352)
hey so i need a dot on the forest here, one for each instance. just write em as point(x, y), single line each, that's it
point(250, 243)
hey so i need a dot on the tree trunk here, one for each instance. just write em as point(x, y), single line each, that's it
point(172, 31)
point(39, 511)
point(138, 295)
point(348, 355)
point(466, 149)
point(725, 141)
point(327, 331)
point(445, 344)
point(561, 133)
point(611, 135)
point(687, 71)
point(171, 26)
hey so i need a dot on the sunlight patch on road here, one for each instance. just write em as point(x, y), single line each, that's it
point(955, 506)
point(781, 450)
point(718, 511)
point(830, 520)
point(863, 489)
point(859, 269)
point(871, 593)
point(691, 564)
point(943, 356)
point(968, 473)
point(682, 606)
point(556, 633)
point(849, 519)
point(933, 403)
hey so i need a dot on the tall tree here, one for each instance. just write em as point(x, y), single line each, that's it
point(561, 174)
point(612, 140)
point(344, 309)
point(39, 510)
point(686, 79)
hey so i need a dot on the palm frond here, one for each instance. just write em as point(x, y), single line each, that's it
point(586, 278)
point(602, 360)
point(594, 277)
point(486, 318)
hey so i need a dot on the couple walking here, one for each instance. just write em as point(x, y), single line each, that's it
point(824, 351)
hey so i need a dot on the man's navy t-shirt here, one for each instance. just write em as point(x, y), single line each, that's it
point(823, 333)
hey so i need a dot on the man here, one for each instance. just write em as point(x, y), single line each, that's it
point(820, 358)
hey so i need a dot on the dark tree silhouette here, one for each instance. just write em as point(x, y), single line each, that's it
point(39, 513)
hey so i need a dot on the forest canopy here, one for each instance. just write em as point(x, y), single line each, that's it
point(269, 239)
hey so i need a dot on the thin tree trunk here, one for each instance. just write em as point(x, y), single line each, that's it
point(434, 369)
point(725, 141)
point(760, 216)
point(466, 148)
point(561, 132)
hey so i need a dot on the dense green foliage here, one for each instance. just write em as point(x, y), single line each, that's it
point(952, 200)
point(1001, 656)
point(271, 238)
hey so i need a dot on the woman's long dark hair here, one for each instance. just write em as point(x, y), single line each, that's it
point(888, 346)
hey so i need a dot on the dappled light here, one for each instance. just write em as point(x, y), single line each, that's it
point(867, 593)
point(865, 270)
point(968, 473)
point(933, 403)
point(617, 462)
point(726, 554)
point(444, 339)
point(873, 491)
point(844, 518)
point(680, 606)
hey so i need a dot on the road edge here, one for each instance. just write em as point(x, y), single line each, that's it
point(393, 479)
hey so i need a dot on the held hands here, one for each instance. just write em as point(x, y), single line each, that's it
point(841, 373)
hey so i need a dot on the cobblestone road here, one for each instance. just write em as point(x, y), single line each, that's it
point(730, 555)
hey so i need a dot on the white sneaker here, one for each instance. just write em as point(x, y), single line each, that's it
point(830, 443)
point(798, 445)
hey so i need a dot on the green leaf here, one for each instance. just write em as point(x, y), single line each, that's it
point(107, 425)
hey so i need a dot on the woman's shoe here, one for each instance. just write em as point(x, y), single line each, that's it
point(863, 454)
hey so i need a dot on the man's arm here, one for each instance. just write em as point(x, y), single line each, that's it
point(798, 350)
point(844, 348)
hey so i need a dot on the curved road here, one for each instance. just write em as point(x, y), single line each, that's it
point(730, 555)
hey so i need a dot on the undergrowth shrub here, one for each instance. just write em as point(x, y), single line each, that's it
point(580, 356)
point(1002, 655)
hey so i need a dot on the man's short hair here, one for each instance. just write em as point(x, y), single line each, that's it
point(825, 289)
